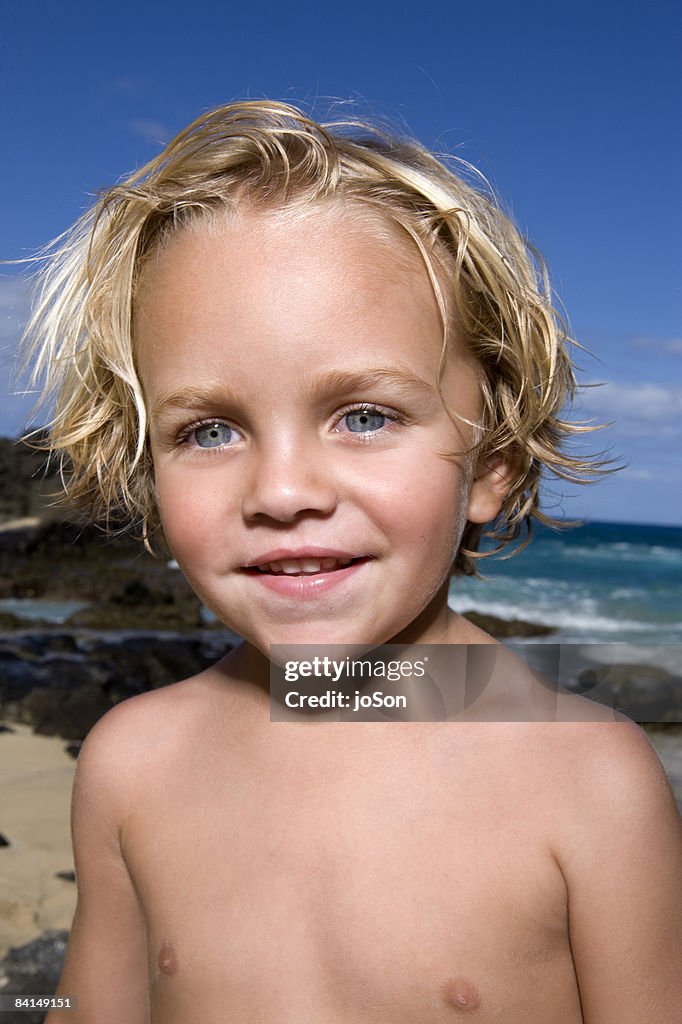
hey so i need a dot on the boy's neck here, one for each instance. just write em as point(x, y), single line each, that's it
point(252, 668)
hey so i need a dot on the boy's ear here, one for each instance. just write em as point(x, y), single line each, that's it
point(492, 482)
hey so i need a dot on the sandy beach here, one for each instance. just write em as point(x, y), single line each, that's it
point(36, 776)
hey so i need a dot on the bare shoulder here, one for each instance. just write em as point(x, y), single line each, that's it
point(133, 746)
point(604, 765)
point(616, 763)
point(598, 777)
point(620, 851)
point(147, 721)
point(617, 821)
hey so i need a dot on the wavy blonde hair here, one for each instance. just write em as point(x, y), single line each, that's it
point(270, 155)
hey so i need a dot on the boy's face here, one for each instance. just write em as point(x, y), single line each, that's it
point(298, 437)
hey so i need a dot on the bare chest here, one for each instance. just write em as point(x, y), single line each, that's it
point(383, 891)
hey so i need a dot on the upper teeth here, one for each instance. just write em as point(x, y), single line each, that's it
point(292, 566)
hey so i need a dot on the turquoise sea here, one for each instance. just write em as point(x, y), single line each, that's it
point(598, 583)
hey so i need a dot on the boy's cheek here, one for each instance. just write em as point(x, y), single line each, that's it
point(185, 516)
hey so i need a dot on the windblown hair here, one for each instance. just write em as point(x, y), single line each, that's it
point(491, 287)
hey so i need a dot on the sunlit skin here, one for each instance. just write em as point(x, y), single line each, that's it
point(290, 369)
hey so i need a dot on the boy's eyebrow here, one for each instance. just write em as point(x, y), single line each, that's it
point(341, 381)
point(364, 380)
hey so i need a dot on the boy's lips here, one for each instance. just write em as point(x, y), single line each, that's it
point(309, 561)
point(304, 572)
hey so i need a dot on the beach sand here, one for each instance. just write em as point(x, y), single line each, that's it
point(36, 776)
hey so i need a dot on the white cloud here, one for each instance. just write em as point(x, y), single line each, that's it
point(641, 473)
point(650, 343)
point(644, 408)
point(151, 131)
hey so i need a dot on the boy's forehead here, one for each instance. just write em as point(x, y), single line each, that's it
point(289, 247)
point(260, 275)
point(308, 273)
point(325, 287)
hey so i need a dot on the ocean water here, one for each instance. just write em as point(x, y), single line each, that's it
point(598, 583)
point(40, 609)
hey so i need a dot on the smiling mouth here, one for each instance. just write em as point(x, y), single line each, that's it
point(302, 566)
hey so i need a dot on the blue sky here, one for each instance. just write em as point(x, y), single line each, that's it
point(572, 111)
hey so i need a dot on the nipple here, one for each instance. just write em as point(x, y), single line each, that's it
point(462, 994)
point(167, 961)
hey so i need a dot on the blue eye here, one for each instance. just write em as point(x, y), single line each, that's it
point(364, 421)
point(212, 435)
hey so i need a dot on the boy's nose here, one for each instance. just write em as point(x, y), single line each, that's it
point(285, 482)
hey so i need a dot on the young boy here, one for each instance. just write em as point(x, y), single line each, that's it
point(320, 363)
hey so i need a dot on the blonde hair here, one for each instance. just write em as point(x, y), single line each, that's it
point(270, 155)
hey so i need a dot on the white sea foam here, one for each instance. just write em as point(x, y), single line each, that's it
point(585, 619)
point(627, 592)
point(621, 551)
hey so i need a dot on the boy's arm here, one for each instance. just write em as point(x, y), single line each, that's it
point(106, 961)
point(623, 867)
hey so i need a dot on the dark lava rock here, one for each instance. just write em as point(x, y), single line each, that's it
point(136, 592)
point(68, 876)
point(27, 480)
point(23, 669)
point(69, 714)
point(9, 621)
point(32, 970)
point(62, 690)
point(668, 728)
point(64, 536)
point(126, 587)
point(644, 693)
point(3, 841)
point(506, 627)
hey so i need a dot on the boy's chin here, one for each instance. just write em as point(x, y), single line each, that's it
point(285, 644)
